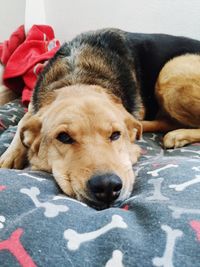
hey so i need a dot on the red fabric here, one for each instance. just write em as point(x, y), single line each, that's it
point(24, 57)
point(9, 46)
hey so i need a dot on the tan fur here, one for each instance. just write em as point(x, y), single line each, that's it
point(89, 115)
point(178, 93)
point(16, 154)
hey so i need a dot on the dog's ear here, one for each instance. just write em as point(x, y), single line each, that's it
point(134, 127)
point(30, 133)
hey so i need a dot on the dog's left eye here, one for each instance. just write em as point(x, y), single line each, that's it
point(65, 138)
point(115, 135)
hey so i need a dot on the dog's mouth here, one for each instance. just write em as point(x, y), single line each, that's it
point(94, 203)
point(97, 205)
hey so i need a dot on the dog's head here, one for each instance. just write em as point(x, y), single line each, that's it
point(85, 137)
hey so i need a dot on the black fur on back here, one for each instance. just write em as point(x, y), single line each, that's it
point(126, 64)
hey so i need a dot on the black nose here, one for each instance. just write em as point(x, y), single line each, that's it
point(106, 188)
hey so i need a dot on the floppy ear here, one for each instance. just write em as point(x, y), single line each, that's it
point(30, 133)
point(134, 127)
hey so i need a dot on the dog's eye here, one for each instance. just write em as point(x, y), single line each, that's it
point(115, 135)
point(65, 138)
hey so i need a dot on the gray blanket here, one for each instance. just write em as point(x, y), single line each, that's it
point(159, 225)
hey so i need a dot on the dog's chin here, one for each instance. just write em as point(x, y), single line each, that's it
point(100, 205)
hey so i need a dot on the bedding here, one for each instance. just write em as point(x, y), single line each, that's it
point(159, 225)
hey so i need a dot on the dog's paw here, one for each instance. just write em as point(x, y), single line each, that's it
point(12, 160)
point(175, 139)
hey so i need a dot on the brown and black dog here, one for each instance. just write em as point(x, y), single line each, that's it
point(92, 101)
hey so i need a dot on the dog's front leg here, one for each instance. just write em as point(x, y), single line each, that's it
point(15, 156)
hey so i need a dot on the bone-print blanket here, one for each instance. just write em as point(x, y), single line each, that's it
point(159, 225)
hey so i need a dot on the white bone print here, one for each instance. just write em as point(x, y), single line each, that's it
point(139, 168)
point(31, 176)
point(188, 150)
point(156, 171)
point(141, 140)
point(183, 186)
point(13, 118)
point(147, 157)
point(10, 109)
point(5, 110)
point(76, 239)
point(70, 199)
point(153, 138)
point(51, 210)
point(196, 168)
point(116, 260)
point(157, 195)
point(167, 259)
point(2, 221)
point(178, 211)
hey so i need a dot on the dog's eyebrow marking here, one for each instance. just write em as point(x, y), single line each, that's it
point(157, 195)
point(167, 259)
point(51, 210)
point(156, 171)
point(183, 186)
point(116, 259)
point(178, 211)
point(76, 239)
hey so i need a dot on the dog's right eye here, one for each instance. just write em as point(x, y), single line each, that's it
point(115, 135)
point(65, 138)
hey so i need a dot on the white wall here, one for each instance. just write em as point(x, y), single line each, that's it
point(11, 16)
point(70, 17)
point(179, 17)
point(34, 13)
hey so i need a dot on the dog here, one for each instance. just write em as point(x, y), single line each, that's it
point(94, 99)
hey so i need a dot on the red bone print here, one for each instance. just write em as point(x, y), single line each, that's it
point(2, 187)
point(196, 227)
point(126, 207)
point(15, 247)
point(2, 125)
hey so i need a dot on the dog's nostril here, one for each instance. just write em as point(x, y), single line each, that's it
point(117, 187)
point(106, 188)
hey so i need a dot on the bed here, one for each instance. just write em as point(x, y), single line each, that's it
point(159, 225)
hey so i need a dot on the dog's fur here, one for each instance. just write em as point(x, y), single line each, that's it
point(101, 83)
